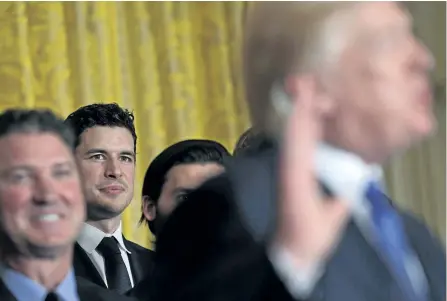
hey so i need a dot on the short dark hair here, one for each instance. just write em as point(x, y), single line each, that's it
point(191, 155)
point(251, 142)
point(101, 114)
point(35, 121)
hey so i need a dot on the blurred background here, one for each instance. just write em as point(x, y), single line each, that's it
point(177, 66)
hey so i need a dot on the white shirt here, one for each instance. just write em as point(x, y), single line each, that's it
point(347, 176)
point(89, 239)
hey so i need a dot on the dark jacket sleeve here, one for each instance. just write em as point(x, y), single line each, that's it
point(204, 253)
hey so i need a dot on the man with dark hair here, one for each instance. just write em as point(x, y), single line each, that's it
point(174, 173)
point(105, 152)
point(170, 177)
point(42, 209)
point(252, 141)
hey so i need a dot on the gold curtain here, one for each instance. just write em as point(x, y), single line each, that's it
point(174, 63)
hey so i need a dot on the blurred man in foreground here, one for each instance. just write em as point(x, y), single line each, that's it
point(341, 86)
point(42, 209)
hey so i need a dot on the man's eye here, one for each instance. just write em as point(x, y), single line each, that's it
point(127, 159)
point(98, 157)
point(181, 198)
point(18, 178)
point(62, 173)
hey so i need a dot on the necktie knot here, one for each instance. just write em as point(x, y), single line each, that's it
point(109, 246)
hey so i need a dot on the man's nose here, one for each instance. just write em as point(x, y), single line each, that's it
point(424, 57)
point(45, 191)
point(113, 169)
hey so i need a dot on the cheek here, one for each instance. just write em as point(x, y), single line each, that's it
point(73, 194)
point(129, 171)
point(14, 199)
point(165, 204)
point(90, 172)
point(14, 207)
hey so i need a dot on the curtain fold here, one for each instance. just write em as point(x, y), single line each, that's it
point(177, 66)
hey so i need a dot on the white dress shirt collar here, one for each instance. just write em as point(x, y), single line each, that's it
point(90, 237)
point(345, 174)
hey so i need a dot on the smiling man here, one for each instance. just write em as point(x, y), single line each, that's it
point(42, 210)
point(105, 152)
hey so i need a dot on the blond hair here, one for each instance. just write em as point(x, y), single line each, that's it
point(283, 38)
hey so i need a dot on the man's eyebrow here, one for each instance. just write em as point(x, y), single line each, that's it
point(63, 164)
point(95, 151)
point(183, 190)
point(28, 168)
point(103, 151)
point(128, 153)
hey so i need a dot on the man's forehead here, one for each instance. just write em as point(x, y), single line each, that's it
point(185, 174)
point(47, 149)
point(113, 139)
point(378, 15)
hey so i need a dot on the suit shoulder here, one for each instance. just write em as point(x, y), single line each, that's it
point(424, 240)
point(137, 248)
point(417, 227)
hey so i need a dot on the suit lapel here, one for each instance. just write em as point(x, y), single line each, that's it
point(422, 244)
point(84, 267)
point(5, 294)
point(139, 262)
point(361, 266)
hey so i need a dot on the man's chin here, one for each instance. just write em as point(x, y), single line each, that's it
point(101, 211)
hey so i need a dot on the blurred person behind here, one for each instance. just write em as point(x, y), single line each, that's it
point(176, 172)
point(105, 150)
point(170, 178)
point(42, 209)
point(252, 141)
point(342, 87)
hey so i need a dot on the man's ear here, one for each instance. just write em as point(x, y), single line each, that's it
point(149, 208)
point(297, 86)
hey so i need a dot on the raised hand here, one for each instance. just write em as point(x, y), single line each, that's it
point(308, 226)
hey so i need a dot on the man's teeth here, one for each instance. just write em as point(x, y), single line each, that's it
point(49, 217)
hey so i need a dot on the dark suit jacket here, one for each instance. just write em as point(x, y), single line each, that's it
point(140, 262)
point(213, 248)
point(87, 292)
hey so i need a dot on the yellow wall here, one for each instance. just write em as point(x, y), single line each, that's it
point(174, 63)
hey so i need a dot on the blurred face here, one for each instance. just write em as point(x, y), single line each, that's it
point(180, 180)
point(107, 162)
point(381, 85)
point(41, 203)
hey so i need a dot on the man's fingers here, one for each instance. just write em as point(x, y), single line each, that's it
point(337, 212)
point(301, 137)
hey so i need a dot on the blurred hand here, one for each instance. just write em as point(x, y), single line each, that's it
point(309, 227)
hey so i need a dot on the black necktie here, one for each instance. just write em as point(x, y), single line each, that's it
point(116, 272)
point(52, 297)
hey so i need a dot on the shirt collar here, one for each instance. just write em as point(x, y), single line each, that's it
point(90, 237)
point(25, 289)
point(346, 174)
